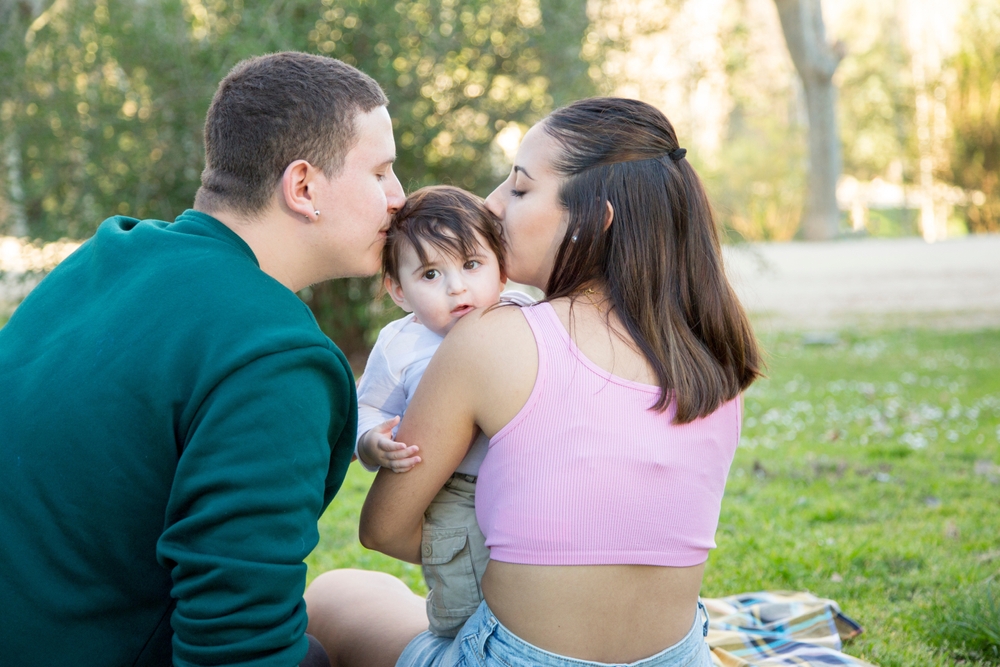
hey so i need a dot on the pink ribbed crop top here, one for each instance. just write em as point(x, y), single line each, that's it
point(587, 474)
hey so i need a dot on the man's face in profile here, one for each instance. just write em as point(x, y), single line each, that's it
point(359, 201)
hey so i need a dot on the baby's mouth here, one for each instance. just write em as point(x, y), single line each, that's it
point(462, 310)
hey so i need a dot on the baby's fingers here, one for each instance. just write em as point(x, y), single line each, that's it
point(404, 465)
point(386, 427)
point(388, 445)
point(403, 460)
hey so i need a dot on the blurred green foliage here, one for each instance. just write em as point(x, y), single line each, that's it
point(876, 96)
point(103, 101)
point(757, 181)
point(102, 104)
point(109, 117)
point(974, 108)
point(114, 91)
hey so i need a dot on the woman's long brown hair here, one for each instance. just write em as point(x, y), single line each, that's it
point(659, 260)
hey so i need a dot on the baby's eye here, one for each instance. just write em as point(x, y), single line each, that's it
point(472, 264)
point(431, 274)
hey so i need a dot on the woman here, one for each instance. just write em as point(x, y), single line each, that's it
point(612, 407)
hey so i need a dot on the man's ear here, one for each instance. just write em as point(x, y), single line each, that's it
point(609, 217)
point(395, 291)
point(295, 189)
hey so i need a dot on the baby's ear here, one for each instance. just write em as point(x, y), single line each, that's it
point(395, 291)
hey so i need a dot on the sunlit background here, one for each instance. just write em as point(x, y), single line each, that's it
point(851, 149)
point(102, 104)
point(102, 101)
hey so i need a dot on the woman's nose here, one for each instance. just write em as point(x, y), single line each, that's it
point(494, 202)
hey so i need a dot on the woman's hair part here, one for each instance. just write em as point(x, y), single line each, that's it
point(660, 260)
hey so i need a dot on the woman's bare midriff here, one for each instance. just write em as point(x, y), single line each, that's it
point(601, 613)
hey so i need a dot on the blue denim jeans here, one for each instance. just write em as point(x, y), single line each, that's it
point(484, 642)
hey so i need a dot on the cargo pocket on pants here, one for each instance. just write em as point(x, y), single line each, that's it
point(451, 579)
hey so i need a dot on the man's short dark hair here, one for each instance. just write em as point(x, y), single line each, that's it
point(272, 110)
point(442, 217)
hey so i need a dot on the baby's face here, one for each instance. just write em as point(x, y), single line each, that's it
point(446, 288)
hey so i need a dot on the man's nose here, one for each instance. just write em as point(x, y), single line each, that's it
point(394, 195)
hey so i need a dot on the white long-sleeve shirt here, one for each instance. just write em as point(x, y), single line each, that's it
point(395, 366)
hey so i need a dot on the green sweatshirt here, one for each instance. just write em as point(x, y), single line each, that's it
point(172, 425)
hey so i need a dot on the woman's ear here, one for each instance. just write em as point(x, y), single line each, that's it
point(395, 291)
point(609, 217)
point(295, 190)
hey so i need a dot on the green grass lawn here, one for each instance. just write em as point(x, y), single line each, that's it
point(867, 473)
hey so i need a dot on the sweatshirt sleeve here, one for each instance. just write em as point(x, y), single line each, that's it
point(381, 394)
point(252, 480)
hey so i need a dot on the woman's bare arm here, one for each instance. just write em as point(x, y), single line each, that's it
point(482, 374)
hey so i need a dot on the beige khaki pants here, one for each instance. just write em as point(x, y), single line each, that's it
point(454, 556)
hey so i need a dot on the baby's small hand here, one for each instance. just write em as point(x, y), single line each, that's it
point(377, 448)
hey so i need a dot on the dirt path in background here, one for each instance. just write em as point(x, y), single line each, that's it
point(866, 283)
point(869, 283)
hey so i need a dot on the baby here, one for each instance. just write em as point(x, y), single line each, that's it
point(443, 257)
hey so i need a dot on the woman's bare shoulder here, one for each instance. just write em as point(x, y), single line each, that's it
point(494, 345)
point(503, 326)
point(492, 355)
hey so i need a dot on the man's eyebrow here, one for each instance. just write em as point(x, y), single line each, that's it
point(388, 161)
point(523, 171)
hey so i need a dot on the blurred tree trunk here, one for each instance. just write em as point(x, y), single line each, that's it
point(816, 61)
point(17, 220)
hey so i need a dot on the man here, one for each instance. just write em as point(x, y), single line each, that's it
point(172, 421)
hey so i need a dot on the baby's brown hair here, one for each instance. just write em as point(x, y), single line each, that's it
point(446, 217)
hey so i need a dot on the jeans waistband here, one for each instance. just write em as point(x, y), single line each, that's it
point(507, 648)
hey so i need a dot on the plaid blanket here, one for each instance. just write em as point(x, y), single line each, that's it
point(778, 628)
